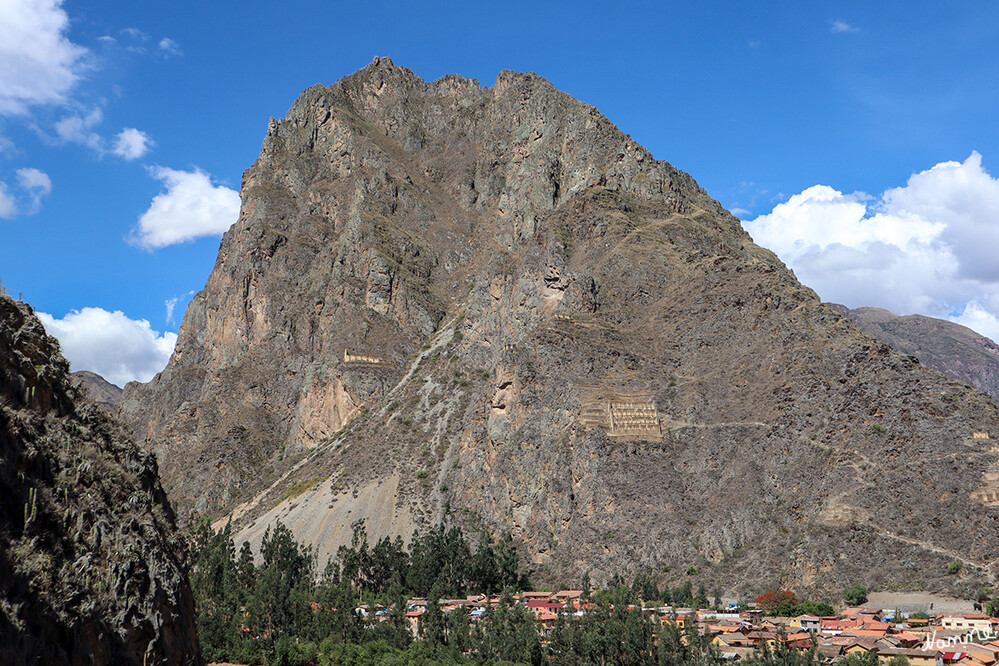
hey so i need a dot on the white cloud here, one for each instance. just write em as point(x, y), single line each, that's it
point(131, 144)
point(36, 184)
point(838, 26)
point(26, 198)
point(8, 207)
point(112, 345)
point(978, 319)
point(35, 180)
point(172, 303)
point(191, 207)
point(38, 63)
point(135, 34)
point(926, 247)
point(170, 47)
point(77, 129)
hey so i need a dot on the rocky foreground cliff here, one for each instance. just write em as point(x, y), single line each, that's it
point(90, 571)
point(487, 303)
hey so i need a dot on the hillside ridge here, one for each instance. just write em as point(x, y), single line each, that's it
point(92, 569)
point(950, 348)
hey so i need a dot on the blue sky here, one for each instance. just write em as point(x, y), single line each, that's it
point(105, 106)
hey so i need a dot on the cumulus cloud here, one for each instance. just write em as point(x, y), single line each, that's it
point(131, 144)
point(112, 345)
point(78, 129)
point(38, 63)
point(26, 198)
point(35, 180)
point(927, 247)
point(35, 184)
point(191, 207)
point(170, 47)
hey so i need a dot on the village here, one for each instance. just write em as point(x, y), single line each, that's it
point(920, 638)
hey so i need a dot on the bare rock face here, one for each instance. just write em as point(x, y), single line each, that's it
point(488, 303)
point(90, 570)
point(953, 349)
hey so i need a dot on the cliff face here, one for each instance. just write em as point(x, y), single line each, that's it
point(89, 570)
point(955, 350)
point(441, 298)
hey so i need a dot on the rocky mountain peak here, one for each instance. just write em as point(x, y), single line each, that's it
point(489, 305)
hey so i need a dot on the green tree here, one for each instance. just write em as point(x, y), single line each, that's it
point(637, 646)
point(855, 595)
point(283, 581)
point(432, 626)
point(218, 593)
point(814, 608)
point(863, 659)
point(701, 600)
point(508, 633)
point(484, 574)
point(458, 630)
point(564, 647)
point(507, 559)
point(992, 607)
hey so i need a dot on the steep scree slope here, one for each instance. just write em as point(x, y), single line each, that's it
point(489, 302)
point(89, 571)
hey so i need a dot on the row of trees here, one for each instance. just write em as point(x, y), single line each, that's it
point(251, 611)
point(283, 610)
point(646, 588)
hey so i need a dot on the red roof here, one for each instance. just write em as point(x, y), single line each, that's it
point(544, 603)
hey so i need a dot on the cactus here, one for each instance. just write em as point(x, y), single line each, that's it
point(31, 513)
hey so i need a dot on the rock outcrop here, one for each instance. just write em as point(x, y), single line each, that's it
point(953, 349)
point(574, 342)
point(98, 389)
point(90, 571)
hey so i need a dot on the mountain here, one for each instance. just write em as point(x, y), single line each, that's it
point(98, 389)
point(953, 349)
point(90, 571)
point(487, 303)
